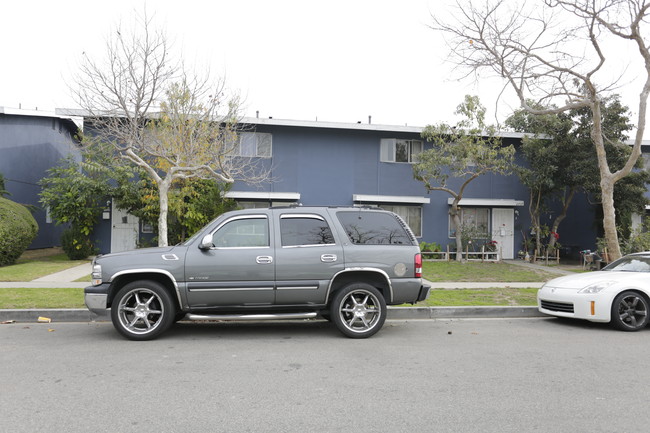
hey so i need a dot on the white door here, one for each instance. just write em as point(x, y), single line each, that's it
point(124, 234)
point(503, 231)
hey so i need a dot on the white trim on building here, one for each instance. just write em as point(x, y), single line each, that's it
point(253, 195)
point(363, 198)
point(491, 202)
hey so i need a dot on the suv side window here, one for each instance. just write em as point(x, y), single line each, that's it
point(374, 228)
point(242, 233)
point(303, 230)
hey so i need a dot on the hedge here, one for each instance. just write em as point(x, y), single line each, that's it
point(18, 228)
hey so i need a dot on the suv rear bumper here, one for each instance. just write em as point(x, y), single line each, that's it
point(424, 293)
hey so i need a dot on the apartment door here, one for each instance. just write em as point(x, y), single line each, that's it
point(503, 225)
point(124, 231)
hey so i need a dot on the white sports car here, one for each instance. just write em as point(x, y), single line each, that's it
point(619, 293)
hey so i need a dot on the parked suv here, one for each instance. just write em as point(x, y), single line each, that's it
point(344, 264)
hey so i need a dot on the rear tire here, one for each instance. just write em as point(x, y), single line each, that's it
point(358, 310)
point(142, 310)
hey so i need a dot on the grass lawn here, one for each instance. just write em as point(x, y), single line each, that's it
point(482, 272)
point(28, 269)
point(41, 298)
point(480, 297)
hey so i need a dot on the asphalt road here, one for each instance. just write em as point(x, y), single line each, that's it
point(489, 375)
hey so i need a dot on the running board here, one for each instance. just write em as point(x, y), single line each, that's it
point(238, 317)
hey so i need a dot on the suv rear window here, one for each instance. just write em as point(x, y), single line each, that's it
point(374, 228)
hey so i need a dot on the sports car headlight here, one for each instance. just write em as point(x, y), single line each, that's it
point(597, 287)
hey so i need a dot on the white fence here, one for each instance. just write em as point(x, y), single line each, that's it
point(476, 256)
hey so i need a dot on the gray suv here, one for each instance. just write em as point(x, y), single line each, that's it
point(344, 264)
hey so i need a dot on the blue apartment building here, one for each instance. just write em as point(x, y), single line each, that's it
point(312, 163)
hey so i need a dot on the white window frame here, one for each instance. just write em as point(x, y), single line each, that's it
point(388, 150)
point(254, 145)
point(465, 218)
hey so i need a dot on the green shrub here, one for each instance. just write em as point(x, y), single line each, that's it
point(430, 247)
point(18, 228)
point(76, 245)
point(639, 241)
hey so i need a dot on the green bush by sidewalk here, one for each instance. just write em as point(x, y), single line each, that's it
point(18, 228)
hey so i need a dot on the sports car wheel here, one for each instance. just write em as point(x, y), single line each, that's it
point(630, 311)
point(142, 310)
point(358, 310)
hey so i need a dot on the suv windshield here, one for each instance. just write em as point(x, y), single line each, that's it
point(630, 264)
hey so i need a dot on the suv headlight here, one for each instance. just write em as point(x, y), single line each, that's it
point(97, 274)
point(597, 287)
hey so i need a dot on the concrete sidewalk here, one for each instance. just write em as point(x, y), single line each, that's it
point(62, 279)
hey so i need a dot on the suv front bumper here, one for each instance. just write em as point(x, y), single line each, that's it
point(96, 298)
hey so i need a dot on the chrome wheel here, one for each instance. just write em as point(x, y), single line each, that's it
point(630, 311)
point(359, 310)
point(142, 310)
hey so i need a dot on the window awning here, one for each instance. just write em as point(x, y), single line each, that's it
point(488, 202)
point(253, 195)
point(364, 198)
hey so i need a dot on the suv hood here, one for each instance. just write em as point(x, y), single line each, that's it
point(140, 252)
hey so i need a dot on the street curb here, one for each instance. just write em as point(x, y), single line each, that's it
point(400, 313)
point(394, 313)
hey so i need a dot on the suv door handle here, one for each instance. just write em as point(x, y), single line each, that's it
point(328, 258)
point(264, 260)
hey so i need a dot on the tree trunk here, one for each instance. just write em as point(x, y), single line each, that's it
point(455, 215)
point(163, 190)
point(533, 210)
point(552, 239)
point(607, 181)
point(609, 218)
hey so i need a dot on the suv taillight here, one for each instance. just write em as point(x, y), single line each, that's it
point(418, 265)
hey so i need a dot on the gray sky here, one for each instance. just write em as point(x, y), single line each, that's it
point(335, 60)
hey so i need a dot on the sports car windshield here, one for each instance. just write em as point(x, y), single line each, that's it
point(630, 264)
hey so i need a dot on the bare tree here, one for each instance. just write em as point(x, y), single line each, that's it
point(556, 52)
point(172, 124)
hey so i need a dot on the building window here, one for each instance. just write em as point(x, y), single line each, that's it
point(475, 220)
point(255, 144)
point(394, 150)
point(412, 215)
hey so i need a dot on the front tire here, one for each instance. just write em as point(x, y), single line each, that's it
point(142, 310)
point(630, 311)
point(358, 310)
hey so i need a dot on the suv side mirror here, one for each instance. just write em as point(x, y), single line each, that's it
point(206, 242)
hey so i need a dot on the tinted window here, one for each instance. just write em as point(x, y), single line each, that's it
point(249, 232)
point(374, 228)
point(304, 231)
